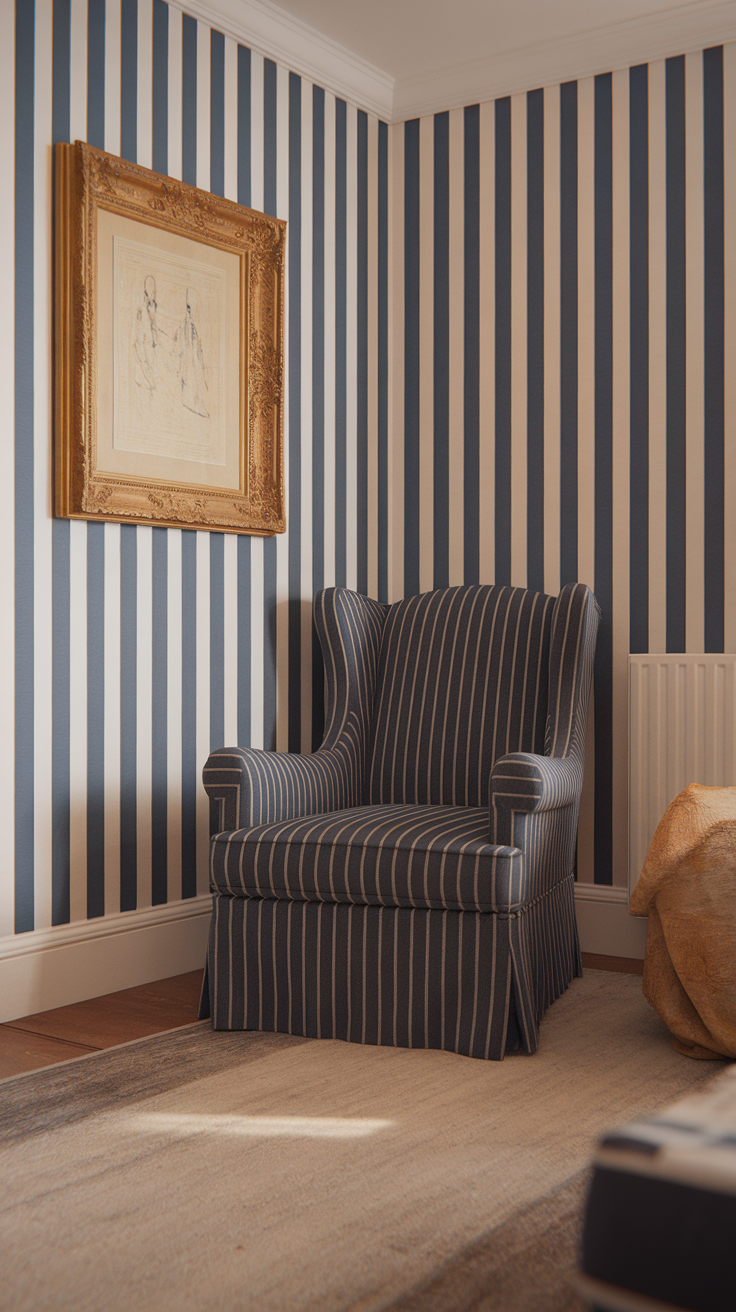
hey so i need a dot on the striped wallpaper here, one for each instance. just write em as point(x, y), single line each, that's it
point(548, 269)
point(139, 649)
point(559, 401)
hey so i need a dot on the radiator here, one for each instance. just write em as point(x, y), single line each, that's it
point(682, 729)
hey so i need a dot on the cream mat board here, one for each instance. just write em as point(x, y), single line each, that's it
point(227, 1172)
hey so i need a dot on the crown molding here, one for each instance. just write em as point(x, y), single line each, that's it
point(671, 31)
point(271, 32)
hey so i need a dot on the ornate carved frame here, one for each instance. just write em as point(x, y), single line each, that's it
point(88, 180)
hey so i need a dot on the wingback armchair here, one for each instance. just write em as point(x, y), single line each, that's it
point(411, 882)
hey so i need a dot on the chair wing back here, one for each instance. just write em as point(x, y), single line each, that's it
point(462, 680)
point(349, 627)
point(572, 653)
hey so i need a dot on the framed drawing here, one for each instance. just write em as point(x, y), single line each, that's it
point(168, 351)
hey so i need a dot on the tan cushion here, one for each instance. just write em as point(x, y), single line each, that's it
point(687, 887)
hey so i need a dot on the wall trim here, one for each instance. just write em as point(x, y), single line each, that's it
point(604, 923)
point(601, 893)
point(270, 31)
point(83, 931)
point(55, 967)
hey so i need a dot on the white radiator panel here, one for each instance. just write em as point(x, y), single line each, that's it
point(682, 730)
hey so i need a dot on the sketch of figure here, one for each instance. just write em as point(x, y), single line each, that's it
point(192, 377)
point(146, 339)
point(170, 337)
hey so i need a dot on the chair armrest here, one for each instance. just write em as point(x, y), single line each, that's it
point(248, 787)
point(527, 783)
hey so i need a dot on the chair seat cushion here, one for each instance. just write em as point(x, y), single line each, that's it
point(400, 856)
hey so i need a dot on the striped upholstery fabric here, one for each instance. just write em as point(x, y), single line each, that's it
point(535, 800)
point(412, 882)
point(249, 787)
point(459, 684)
point(412, 978)
point(394, 856)
point(467, 982)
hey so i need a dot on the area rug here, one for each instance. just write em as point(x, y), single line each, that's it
point(195, 1170)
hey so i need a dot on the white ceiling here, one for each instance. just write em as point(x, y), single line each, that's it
point(406, 38)
point(402, 58)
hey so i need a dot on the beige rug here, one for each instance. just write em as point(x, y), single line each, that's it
point(206, 1171)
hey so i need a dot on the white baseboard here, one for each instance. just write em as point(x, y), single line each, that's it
point(66, 964)
point(604, 923)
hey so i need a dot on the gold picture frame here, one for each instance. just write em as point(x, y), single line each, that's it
point(169, 306)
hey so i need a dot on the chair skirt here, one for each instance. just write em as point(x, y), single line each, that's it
point(470, 982)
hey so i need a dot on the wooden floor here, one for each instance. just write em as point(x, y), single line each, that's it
point(65, 1032)
point(624, 965)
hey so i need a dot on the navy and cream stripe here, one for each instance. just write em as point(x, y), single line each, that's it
point(609, 196)
point(432, 856)
point(139, 650)
point(421, 969)
point(559, 268)
point(455, 676)
point(449, 783)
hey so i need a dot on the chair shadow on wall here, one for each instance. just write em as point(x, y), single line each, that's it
point(294, 617)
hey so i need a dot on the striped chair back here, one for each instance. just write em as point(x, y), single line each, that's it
point(462, 679)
